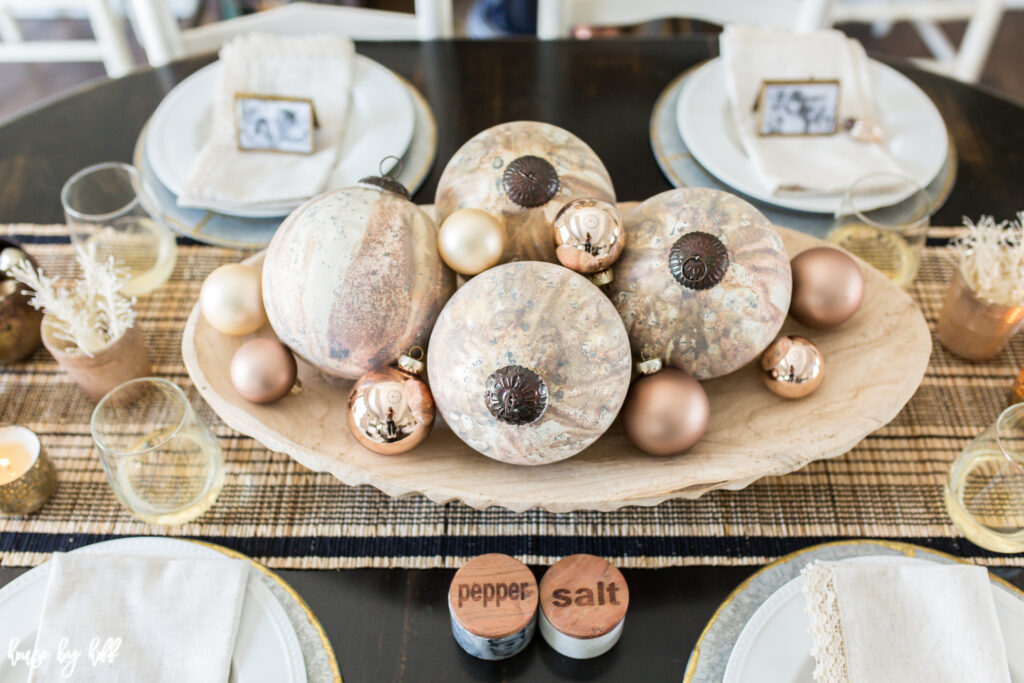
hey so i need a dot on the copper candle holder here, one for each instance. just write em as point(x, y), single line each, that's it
point(27, 477)
point(972, 328)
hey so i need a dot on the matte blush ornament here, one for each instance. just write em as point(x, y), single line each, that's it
point(529, 363)
point(353, 278)
point(391, 410)
point(704, 277)
point(471, 241)
point(263, 370)
point(793, 367)
point(828, 287)
point(589, 237)
point(522, 173)
point(666, 411)
point(231, 301)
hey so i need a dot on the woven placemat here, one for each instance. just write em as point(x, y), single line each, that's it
point(277, 511)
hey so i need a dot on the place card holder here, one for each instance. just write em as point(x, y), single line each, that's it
point(493, 606)
point(798, 108)
point(583, 602)
point(274, 123)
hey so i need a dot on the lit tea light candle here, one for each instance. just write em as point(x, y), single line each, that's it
point(27, 477)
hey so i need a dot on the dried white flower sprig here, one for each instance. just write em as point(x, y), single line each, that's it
point(90, 312)
point(990, 256)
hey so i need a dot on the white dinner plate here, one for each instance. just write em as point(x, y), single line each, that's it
point(775, 645)
point(380, 124)
point(266, 648)
point(914, 133)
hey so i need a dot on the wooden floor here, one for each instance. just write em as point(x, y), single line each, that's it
point(23, 86)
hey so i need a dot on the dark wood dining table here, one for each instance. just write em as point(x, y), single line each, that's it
point(391, 624)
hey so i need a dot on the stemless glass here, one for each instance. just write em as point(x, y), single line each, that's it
point(162, 462)
point(890, 238)
point(985, 491)
point(109, 207)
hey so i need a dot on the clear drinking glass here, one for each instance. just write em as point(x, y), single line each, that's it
point(108, 205)
point(890, 238)
point(985, 490)
point(163, 463)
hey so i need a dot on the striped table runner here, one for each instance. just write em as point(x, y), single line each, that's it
point(277, 511)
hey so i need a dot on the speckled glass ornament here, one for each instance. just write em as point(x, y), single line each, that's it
point(353, 278)
point(522, 173)
point(704, 277)
point(529, 363)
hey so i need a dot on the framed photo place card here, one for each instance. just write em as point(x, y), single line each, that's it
point(798, 108)
point(272, 123)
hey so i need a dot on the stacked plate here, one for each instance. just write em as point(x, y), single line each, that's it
point(387, 118)
point(696, 144)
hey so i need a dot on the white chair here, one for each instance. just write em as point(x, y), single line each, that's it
point(164, 41)
point(556, 18)
point(109, 44)
point(965, 62)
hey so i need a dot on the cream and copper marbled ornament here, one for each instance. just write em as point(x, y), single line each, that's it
point(529, 363)
point(704, 277)
point(352, 279)
point(522, 173)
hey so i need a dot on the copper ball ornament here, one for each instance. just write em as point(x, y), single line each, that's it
point(793, 367)
point(589, 235)
point(828, 287)
point(353, 278)
point(666, 413)
point(263, 370)
point(471, 241)
point(704, 278)
point(391, 410)
point(231, 301)
point(522, 173)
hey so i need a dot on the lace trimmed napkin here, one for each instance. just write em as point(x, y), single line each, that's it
point(819, 164)
point(903, 621)
point(316, 67)
point(121, 618)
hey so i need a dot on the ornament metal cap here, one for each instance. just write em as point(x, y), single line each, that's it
point(604, 277)
point(386, 181)
point(649, 362)
point(530, 181)
point(411, 363)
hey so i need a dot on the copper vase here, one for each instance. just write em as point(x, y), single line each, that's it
point(123, 359)
point(972, 328)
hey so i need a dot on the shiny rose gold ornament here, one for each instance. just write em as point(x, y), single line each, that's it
point(391, 410)
point(793, 367)
point(471, 241)
point(828, 287)
point(263, 370)
point(589, 236)
point(666, 411)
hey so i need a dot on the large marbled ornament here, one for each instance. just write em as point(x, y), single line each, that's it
point(529, 363)
point(704, 281)
point(352, 279)
point(522, 173)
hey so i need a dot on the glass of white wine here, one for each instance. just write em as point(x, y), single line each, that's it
point(890, 238)
point(109, 208)
point(985, 491)
point(162, 462)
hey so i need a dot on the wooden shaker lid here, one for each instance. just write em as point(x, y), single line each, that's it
point(493, 596)
point(584, 596)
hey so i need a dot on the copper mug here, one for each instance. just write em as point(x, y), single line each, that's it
point(972, 328)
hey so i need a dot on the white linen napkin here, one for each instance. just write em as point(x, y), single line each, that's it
point(140, 619)
point(804, 165)
point(903, 621)
point(316, 67)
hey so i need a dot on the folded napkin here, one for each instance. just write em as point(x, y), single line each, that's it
point(316, 67)
point(139, 619)
point(815, 165)
point(903, 621)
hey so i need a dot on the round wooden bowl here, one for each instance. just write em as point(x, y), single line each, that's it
point(753, 433)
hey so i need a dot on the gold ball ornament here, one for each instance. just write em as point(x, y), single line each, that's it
point(793, 367)
point(391, 410)
point(263, 370)
point(589, 236)
point(231, 299)
point(828, 287)
point(471, 241)
point(666, 412)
